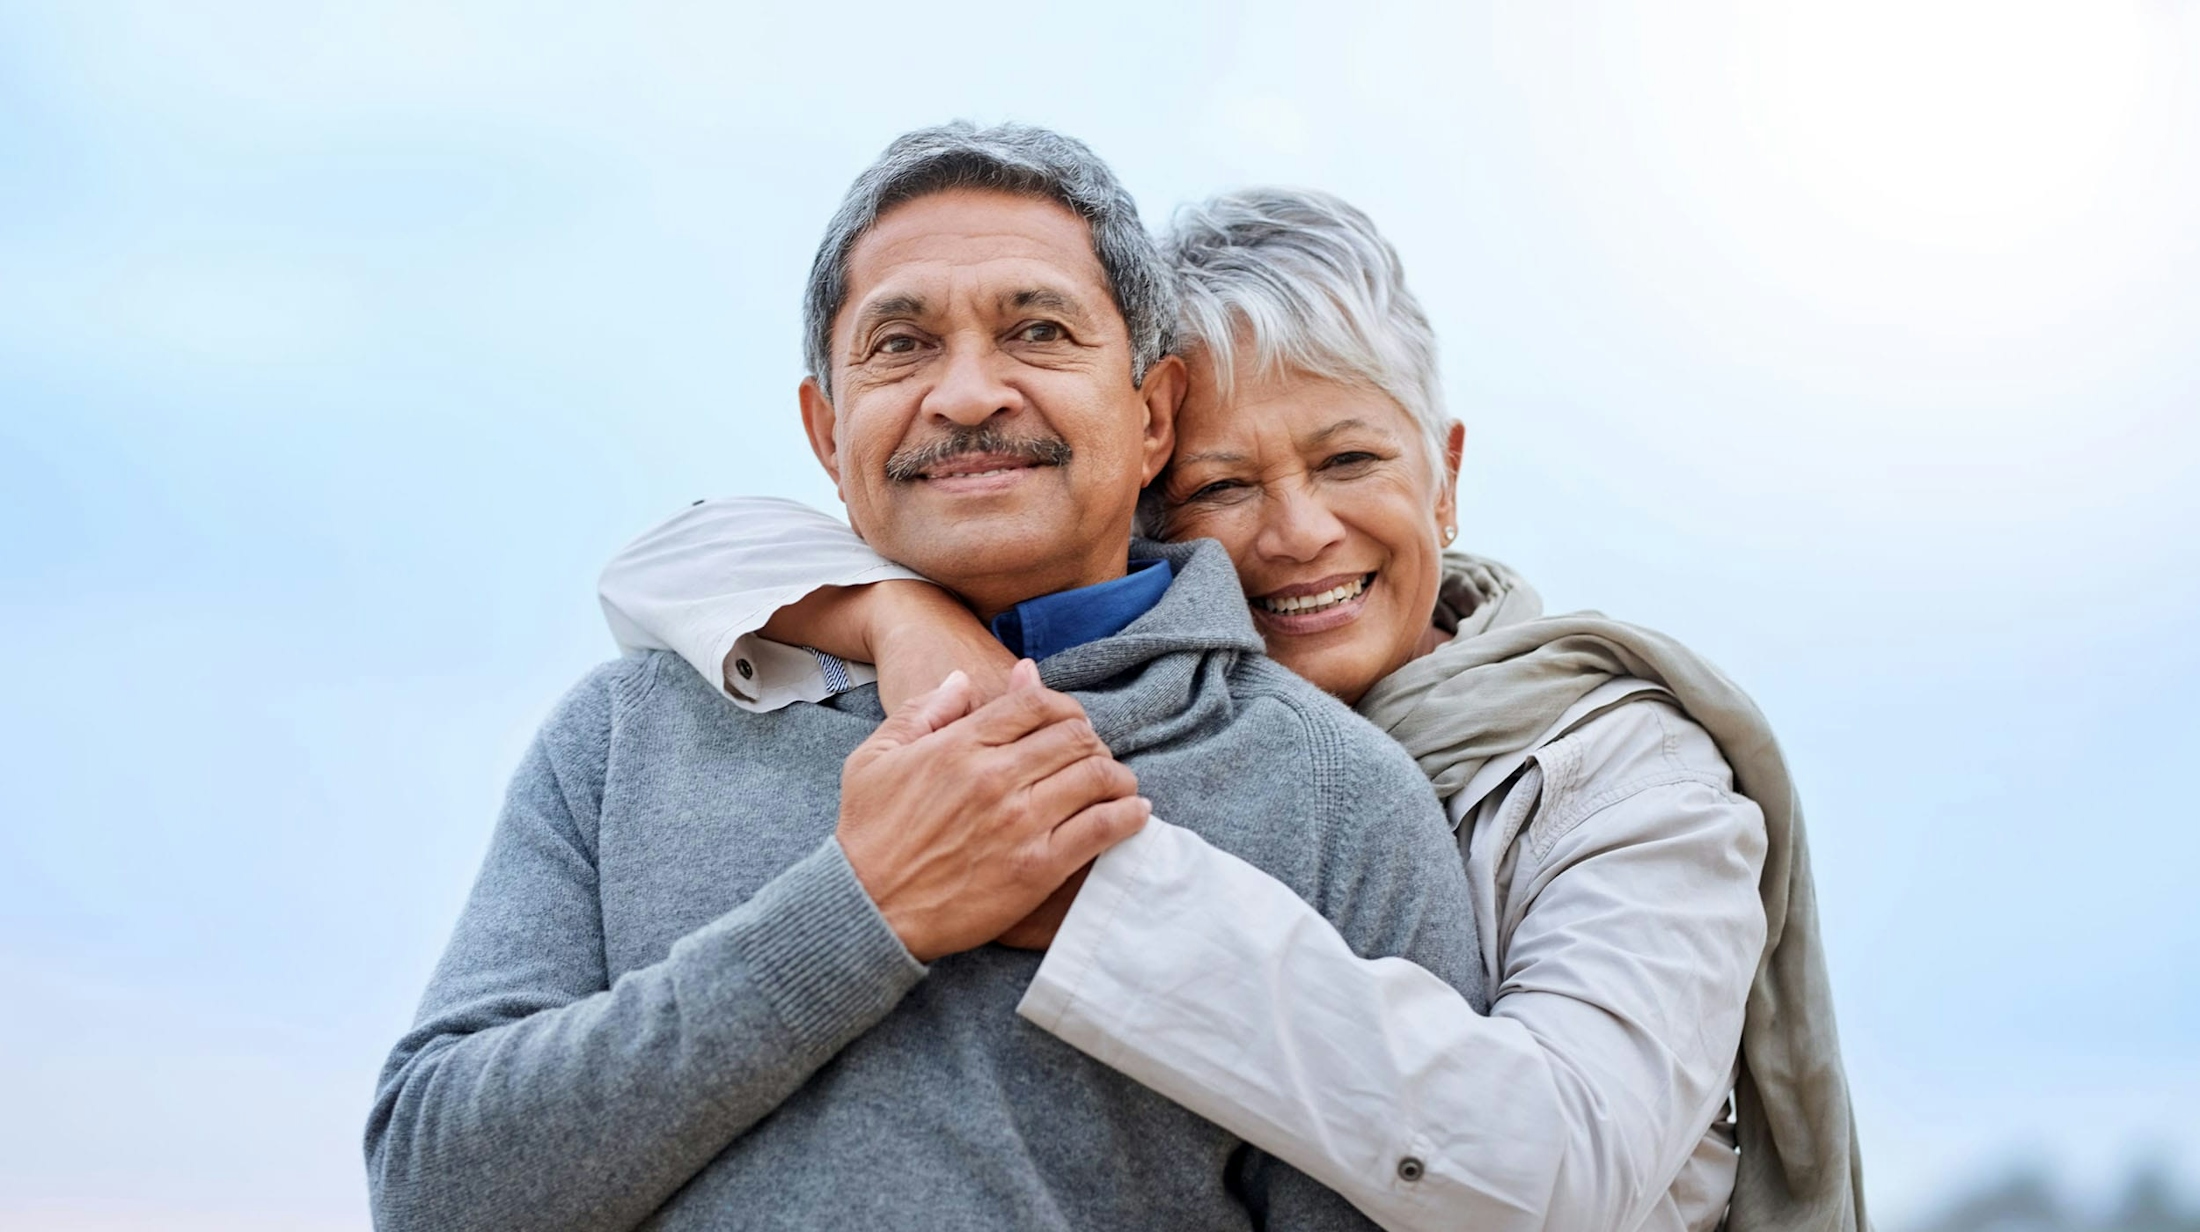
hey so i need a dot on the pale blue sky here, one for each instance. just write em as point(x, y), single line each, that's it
point(1856, 343)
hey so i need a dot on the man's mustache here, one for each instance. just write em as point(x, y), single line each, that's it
point(909, 465)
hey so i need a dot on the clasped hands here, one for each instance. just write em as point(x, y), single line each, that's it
point(970, 821)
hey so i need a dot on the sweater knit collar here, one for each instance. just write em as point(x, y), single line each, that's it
point(1144, 685)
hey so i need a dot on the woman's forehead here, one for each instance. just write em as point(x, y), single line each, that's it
point(1295, 410)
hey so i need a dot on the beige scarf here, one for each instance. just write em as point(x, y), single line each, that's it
point(1506, 676)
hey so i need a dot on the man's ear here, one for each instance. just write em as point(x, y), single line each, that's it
point(1162, 393)
point(1447, 500)
point(819, 422)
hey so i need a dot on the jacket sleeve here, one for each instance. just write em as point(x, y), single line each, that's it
point(1630, 930)
point(705, 580)
point(1572, 1104)
point(1392, 884)
point(534, 1093)
point(1212, 983)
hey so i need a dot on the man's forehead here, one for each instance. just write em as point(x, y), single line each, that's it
point(997, 245)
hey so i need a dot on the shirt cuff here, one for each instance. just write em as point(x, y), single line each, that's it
point(761, 675)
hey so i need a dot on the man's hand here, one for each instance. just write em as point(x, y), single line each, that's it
point(961, 819)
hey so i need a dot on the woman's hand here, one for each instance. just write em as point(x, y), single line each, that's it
point(920, 633)
point(914, 632)
point(1036, 931)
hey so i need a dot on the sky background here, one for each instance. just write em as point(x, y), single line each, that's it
point(1856, 343)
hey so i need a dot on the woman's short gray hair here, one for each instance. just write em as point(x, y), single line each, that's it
point(1013, 158)
point(1300, 282)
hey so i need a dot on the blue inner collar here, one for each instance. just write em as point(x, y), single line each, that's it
point(1050, 624)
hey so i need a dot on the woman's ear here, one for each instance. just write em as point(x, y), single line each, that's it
point(1163, 393)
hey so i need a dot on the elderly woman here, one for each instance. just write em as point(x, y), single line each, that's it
point(1627, 824)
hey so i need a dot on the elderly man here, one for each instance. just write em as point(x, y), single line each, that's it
point(724, 968)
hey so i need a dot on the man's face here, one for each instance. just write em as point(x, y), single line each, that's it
point(982, 427)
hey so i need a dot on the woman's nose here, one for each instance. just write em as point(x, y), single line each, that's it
point(1297, 525)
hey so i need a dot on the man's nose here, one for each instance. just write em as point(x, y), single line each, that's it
point(1296, 524)
point(971, 388)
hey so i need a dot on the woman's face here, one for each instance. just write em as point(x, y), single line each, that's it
point(1322, 494)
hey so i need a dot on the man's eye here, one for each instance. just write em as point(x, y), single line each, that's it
point(895, 344)
point(1041, 331)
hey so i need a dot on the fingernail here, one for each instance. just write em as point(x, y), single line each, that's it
point(955, 677)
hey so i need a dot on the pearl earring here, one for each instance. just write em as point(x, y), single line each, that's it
point(1450, 533)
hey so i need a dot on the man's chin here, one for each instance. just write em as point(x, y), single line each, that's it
point(1001, 502)
point(979, 542)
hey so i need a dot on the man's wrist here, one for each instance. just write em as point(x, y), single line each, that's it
point(879, 889)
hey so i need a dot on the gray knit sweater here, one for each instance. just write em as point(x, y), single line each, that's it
point(669, 1003)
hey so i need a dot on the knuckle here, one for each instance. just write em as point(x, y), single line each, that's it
point(1029, 864)
point(1009, 765)
point(1077, 739)
point(1095, 775)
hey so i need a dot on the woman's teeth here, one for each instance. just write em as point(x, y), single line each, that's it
point(1313, 603)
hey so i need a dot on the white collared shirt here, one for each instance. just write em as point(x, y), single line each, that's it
point(1614, 874)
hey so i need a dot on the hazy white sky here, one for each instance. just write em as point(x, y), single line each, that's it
point(1857, 343)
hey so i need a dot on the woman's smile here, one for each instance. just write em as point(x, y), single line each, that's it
point(1313, 607)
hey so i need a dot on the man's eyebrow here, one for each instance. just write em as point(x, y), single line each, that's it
point(887, 309)
point(1046, 298)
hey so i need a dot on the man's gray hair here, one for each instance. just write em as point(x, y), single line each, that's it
point(1299, 282)
point(1013, 158)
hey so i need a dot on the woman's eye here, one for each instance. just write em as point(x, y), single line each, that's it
point(1040, 331)
point(1220, 487)
point(1349, 459)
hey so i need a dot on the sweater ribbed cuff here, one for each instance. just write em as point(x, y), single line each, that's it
point(826, 960)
